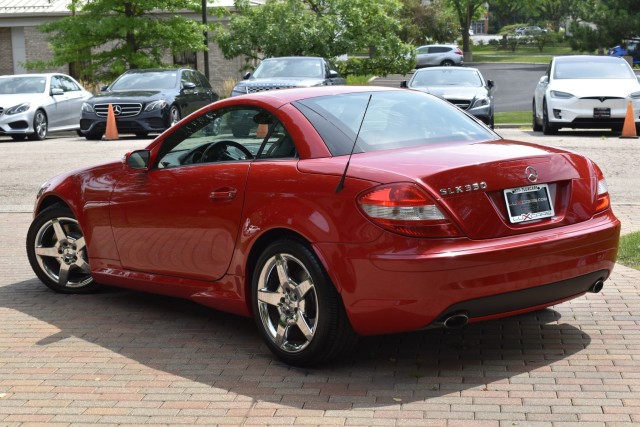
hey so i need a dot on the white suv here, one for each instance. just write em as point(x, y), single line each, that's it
point(438, 54)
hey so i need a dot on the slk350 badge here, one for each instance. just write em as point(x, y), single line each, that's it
point(466, 188)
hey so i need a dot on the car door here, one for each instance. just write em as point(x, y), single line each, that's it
point(74, 98)
point(59, 111)
point(193, 95)
point(422, 56)
point(181, 216)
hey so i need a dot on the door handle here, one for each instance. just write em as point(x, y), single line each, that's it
point(222, 194)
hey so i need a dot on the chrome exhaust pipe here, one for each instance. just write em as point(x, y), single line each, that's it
point(597, 286)
point(456, 320)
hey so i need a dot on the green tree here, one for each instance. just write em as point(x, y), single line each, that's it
point(328, 28)
point(506, 12)
point(108, 37)
point(466, 10)
point(613, 22)
point(421, 23)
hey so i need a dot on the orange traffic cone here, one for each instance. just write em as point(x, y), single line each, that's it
point(112, 130)
point(261, 132)
point(629, 127)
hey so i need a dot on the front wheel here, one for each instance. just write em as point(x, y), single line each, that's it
point(174, 115)
point(534, 120)
point(296, 307)
point(40, 126)
point(57, 252)
point(547, 128)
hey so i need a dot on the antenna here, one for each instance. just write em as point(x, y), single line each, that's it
point(353, 147)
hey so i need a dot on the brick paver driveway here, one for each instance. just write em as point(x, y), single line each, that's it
point(122, 357)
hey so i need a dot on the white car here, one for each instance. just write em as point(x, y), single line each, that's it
point(32, 105)
point(584, 91)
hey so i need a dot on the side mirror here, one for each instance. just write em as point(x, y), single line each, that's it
point(544, 80)
point(137, 159)
point(404, 84)
point(490, 84)
point(104, 88)
point(56, 91)
point(246, 76)
point(333, 74)
point(188, 85)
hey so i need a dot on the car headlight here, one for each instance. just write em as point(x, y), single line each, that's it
point(156, 105)
point(481, 101)
point(562, 95)
point(20, 108)
point(635, 95)
point(239, 91)
point(87, 107)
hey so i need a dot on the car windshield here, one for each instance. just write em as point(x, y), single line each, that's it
point(290, 67)
point(393, 119)
point(446, 77)
point(153, 80)
point(592, 69)
point(13, 85)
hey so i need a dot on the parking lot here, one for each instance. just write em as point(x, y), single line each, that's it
point(127, 358)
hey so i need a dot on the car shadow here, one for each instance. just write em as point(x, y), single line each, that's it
point(220, 350)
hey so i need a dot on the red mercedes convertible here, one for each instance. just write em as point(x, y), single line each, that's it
point(332, 212)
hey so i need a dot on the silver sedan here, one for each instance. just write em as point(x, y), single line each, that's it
point(32, 105)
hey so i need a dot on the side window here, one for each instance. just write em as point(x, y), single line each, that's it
point(279, 144)
point(203, 80)
point(229, 135)
point(68, 85)
point(188, 76)
point(423, 50)
point(56, 83)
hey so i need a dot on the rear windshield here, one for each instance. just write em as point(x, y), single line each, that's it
point(593, 70)
point(393, 119)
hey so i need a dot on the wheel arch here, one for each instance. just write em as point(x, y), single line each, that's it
point(51, 201)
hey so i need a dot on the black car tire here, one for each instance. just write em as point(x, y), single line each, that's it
point(18, 137)
point(547, 128)
point(40, 124)
point(290, 286)
point(534, 120)
point(142, 134)
point(93, 136)
point(447, 63)
point(57, 252)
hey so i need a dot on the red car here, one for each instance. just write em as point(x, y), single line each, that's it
point(332, 212)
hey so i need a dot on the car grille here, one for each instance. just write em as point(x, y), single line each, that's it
point(126, 110)
point(273, 86)
point(461, 103)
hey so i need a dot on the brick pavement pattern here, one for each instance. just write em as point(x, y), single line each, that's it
point(119, 357)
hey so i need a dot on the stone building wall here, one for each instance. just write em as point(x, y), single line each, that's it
point(37, 49)
point(6, 52)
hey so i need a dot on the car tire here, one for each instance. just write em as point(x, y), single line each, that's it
point(547, 128)
point(18, 137)
point(289, 284)
point(142, 134)
point(534, 120)
point(174, 115)
point(57, 252)
point(40, 124)
point(447, 63)
point(93, 136)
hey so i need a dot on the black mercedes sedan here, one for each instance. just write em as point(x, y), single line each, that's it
point(146, 101)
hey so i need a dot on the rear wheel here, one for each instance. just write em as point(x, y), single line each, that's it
point(142, 134)
point(18, 137)
point(296, 307)
point(447, 63)
point(57, 252)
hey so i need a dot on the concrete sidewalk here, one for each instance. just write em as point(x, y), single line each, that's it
point(126, 358)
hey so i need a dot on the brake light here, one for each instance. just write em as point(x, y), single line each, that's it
point(602, 199)
point(405, 209)
point(458, 51)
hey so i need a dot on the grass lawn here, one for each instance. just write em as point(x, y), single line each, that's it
point(629, 250)
point(513, 117)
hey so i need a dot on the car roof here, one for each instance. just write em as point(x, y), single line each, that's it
point(439, 45)
point(452, 69)
point(588, 58)
point(286, 96)
point(34, 75)
point(156, 70)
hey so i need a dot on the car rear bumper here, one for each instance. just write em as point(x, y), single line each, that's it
point(399, 284)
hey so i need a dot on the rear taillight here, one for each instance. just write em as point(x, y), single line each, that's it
point(404, 208)
point(458, 51)
point(602, 199)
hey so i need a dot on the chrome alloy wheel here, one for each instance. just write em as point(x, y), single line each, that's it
point(287, 303)
point(60, 251)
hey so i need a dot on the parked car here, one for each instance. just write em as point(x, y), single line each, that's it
point(465, 88)
point(345, 211)
point(289, 72)
point(32, 105)
point(630, 47)
point(433, 55)
point(585, 91)
point(530, 31)
point(146, 101)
